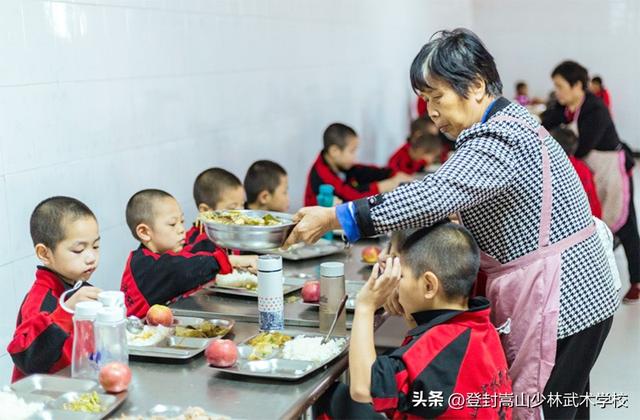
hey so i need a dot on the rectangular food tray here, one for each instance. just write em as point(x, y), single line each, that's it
point(180, 348)
point(54, 391)
point(298, 252)
point(276, 367)
point(289, 286)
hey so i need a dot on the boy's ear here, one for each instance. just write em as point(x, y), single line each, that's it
point(204, 208)
point(144, 232)
point(43, 253)
point(264, 197)
point(333, 150)
point(431, 285)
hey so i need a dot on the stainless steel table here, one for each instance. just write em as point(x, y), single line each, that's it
point(196, 384)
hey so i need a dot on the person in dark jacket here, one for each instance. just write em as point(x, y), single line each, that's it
point(605, 154)
point(66, 240)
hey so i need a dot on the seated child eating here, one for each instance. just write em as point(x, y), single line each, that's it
point(569, 143)
point(66, 240)
point(160, 270)
point(267, 187)
point(336, 165)
point(420, 152)
point(451, 348)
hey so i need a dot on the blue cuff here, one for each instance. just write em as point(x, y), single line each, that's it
point(347, 218)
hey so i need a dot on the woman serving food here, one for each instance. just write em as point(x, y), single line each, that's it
point(547, 274)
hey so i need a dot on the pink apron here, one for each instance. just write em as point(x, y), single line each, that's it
point(525, 297)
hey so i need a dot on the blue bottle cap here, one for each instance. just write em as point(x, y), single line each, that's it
point(326, 189)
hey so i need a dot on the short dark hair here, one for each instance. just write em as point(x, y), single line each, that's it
point(449, 251)
point(49, 218)
point(429, 143)
point(597, 79)
point(572, 72)
point(459, 58)
point(566, 138)
point(520, 85)
point(421, 125)
point(211, 184)
point(336, 135)
point(140, 208)
point(263, 175)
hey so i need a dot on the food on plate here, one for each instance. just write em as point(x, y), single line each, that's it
point(85, 403)
point(311, 291)
point(370, 254)
point(234, 217)
point(206, 329)
point(15, 408)
point(115, 377)
point(160, 315)
point(265, 343)
point(311, 349)
point(242, 279)
point(149, 336)
point(222, 353)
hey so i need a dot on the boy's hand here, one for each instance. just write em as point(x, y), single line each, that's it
point(392, 305)
point(245, 262)
point(83, 294)
point(379, 287)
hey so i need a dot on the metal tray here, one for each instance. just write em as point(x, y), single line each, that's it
point(54, 391)
point(289, 286)
point(180, 348)
point(275, 367)
point(301, 251)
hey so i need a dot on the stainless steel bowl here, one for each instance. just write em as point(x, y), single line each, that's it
point(250, 238)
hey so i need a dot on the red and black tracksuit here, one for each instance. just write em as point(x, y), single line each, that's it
point(151, 278)
point(358, 182)
point(401, 161)
point(449, 352)
point(589, 184)
point(43, 339)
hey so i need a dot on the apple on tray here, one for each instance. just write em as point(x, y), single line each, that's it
point(160, 315)
point(370, 254)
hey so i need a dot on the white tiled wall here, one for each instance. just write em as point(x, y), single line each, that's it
point(100, 98)
point(529, 38)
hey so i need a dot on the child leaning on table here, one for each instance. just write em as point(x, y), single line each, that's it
point(66, 241)
point(451, 349)
point(161, 269)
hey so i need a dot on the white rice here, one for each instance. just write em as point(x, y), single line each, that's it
point(14, 408)
point(312, 349)
point(236, 279)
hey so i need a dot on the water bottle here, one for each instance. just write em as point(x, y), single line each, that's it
point(332, 290)
point(270, 294)
point(83, 354)
point(111, 336)
point(325, 199)
point(112, 298)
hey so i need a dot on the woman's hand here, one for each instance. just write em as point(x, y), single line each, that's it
point(375, 293)
point(312, 223)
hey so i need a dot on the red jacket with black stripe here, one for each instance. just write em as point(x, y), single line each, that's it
point(359, 181)
point(449, 352)
point(43, 338)
point(401, 161)
point(150, 278)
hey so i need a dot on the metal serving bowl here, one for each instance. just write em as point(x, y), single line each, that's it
point(247, 237)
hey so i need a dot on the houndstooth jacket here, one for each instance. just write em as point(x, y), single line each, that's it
point(494, 180)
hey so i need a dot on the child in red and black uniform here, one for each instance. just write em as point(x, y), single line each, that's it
point(336, 166)
point(420, 152)
point(161, 270)
point(452, 347)
point(569, 142)
point(213, 189)
point(66, 240)
point(267, 186)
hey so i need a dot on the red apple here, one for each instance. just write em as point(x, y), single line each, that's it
point(160, 315)
point(370, 254)
point(222, 353)
point(115, 377)
point(311, 291)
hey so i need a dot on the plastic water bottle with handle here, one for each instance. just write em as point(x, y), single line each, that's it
point(83, 353)
point(325, 199)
